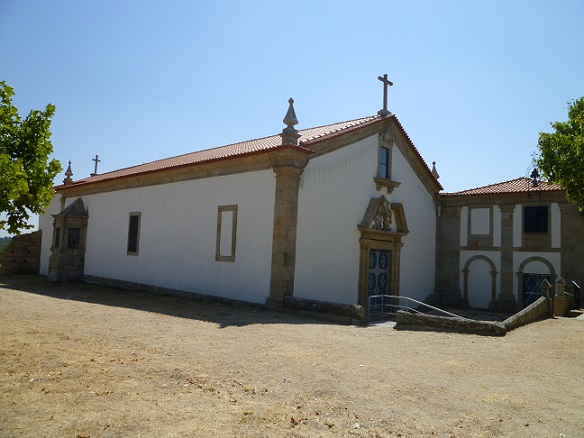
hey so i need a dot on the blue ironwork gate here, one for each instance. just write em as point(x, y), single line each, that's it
point(531, 289)
point(378, 281)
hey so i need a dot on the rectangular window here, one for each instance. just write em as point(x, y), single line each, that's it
point(383, 162)
point(226, 233)
point(57, 237)
point(73, 238)
point(134, 233)
point(535, 219)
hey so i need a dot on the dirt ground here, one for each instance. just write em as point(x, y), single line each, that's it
point(85, 361)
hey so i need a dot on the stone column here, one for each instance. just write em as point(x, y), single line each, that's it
point(493, 302)
point(506, 300)
point(288, 166)
point(464, 303)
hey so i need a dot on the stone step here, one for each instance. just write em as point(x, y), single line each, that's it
point(575, 313)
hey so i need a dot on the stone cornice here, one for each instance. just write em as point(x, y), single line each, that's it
point(235, 165)
point(289, 156)
point(321, 147)
point(503, 198)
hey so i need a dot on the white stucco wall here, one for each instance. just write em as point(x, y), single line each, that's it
point(178, 235)
point(480, 221)
point(334, 195)
point(464, 226)
point(517, 226)
point(418, 253)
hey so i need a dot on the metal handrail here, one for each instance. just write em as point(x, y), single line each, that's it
point(407, 307)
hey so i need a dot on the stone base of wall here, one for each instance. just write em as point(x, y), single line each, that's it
point(23, 255)
point(142, 287)
point(324, 309)
point(321, 309)
point(66, 268)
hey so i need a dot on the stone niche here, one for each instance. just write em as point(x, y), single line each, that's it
point(67, 260)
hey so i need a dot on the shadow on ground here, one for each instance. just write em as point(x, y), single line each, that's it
point(224, 314)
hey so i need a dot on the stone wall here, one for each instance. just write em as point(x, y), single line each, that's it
point(538, 310)
point(23, 255)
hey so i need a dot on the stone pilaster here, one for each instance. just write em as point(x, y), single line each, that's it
point(447, 276)
point(288, 165)
point(506, 300)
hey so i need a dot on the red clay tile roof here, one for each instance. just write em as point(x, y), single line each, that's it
point(308, 137)
point(518, 185)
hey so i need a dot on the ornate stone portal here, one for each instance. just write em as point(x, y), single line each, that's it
point(382, 228)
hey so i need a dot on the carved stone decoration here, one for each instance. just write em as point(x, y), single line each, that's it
point(382, 218)
point(387, 183)
point(381, 215)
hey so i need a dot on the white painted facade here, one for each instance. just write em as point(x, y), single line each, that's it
point(314, 253)
point(334, 195)
point(177, 243)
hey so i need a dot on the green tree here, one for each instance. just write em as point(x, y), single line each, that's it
point(561, 153)
point(26, 172)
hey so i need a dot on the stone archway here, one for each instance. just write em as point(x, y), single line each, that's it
point(521, 271)
point(466, 271)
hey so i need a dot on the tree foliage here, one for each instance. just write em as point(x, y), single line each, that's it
point(26, 171)
point(561, 153)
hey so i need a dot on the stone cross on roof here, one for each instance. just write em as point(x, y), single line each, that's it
point(97, 160)
point(386, 82)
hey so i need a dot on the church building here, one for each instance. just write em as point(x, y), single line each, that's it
point(317, 219)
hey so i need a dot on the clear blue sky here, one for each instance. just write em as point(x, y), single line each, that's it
point(475, 81)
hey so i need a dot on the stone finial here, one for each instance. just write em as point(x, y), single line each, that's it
point(289, 134)
point(434, 171)
point(545, 287)
point(560, 286)
point(68, 174)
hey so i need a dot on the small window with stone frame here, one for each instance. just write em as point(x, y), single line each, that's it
point(134, 234)
point(384, 162)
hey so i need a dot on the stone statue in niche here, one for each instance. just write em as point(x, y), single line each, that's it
point(382, 217)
